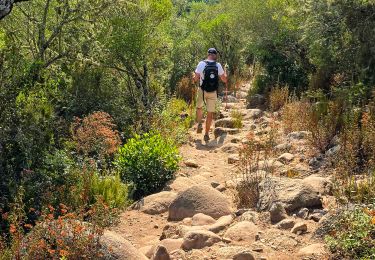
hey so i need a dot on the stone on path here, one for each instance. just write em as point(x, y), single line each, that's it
point(161, 253)
point(321, 185)
point(242, 231)
point(201, 219)
point(231, 148)
point(254, 114)
point(199, 199)
point(244, 256)
point(191, 163)
point(119, 247)
point(298, 135)
point(199, 239)
point(286, 158)
point(233, 159)
point(225, 123)
point(277, 212)
point(299, 227)
point(293, 194)
point(219, 131)
point(286, 224)
point(313, 250)
point(256, 101)
point(221, 224)
point(157, 203)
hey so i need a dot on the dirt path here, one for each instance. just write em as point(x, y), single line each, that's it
point(208, 164)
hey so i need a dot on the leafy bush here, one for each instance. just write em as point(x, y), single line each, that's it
point(95, 135)
point(111, 189)
point(354, 235)
point(278, 97)
point(147, 162)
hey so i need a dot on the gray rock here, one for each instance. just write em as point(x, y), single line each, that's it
point(244, 256)
point(291, 193)
point(157, 203)
point(283, 147)
point(277, 212)
point(299, 227)
point(333, 151)
point(191, 163)
point(286, 158)
point(233, 159)
point(242, 231)
point(251, 216)
point(219, 131)
point(199, 199)
point(221, 224)
point(254, 114)
point(298, 135)
point(119, 247)
point(320, 185)
point(286, 223)
point(225, 123)
point(316, 217)
point(231, 148)
point(303, 213)
point(256, 101)
point(161, 253)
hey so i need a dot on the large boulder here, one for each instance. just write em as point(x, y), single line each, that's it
point(225, 122)
point(157, 203)
point(256, 101)
point(199, 239)
point(242, 231)
point(293, 194)
point(199, 199)
point(219, 131)
point(119, 247)
point(321, 185)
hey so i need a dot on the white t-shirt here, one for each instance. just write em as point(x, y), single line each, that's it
point(202, 65)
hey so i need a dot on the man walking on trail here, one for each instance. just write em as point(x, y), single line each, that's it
point(208, 72)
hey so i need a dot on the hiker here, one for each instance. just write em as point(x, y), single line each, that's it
point(208, 72)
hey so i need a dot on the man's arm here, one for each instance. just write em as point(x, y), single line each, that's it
point(196, 77)
point(224, 78)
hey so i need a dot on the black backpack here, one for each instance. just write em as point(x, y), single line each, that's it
point(211, 77)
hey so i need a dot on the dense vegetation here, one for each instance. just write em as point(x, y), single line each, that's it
point(79, 79)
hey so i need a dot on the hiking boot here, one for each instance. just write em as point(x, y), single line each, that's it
point(200, 128)
point(206, 138)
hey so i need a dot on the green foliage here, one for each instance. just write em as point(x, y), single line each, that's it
point(353, 236)
point(111, 189)
point(147, 163)
point(173, 121)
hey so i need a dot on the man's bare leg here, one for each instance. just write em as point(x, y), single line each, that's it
point(210, 116)
point(199, 120)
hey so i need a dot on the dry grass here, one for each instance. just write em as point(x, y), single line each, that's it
point(295, 115)
point(278, 97)
point(254, 167)
point(185, 89)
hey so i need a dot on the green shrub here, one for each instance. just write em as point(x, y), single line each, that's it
point(147, 162)
point(111, 189)
point(354, 235)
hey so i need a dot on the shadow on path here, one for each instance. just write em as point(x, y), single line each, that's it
point(211, 145)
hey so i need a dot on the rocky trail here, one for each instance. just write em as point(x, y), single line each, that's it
point(196, 216)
